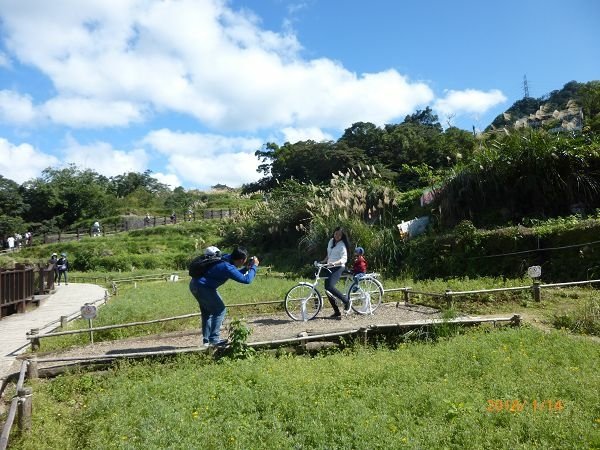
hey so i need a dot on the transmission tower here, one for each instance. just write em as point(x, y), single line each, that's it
point(525, 87)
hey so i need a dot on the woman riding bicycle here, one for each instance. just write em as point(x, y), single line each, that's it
point(337, 256)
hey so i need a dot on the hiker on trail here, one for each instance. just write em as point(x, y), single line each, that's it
point(54, 262)
point(63, 267)
point(337, 256)
point(147, 220)
point(234, 266)
point(96, 229)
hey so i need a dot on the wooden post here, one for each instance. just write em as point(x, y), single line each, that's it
point(77, 231)
point(63, 322)
point(448, 296)
point(406, 296)
point(105, 296)
point(35, 341)
point(154, 220)
point(32, 369)
point(365, 340)
point(24, 408)
point(537, 295)
point(303, 341)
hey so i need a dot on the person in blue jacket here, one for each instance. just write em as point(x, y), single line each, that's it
point(234, 266)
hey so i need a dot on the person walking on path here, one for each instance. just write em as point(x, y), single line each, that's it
point(337, 256)
point(234, 266)
point(53, 261)
point(63, 267)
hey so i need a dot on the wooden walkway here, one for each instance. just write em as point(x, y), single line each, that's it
point(65, 301)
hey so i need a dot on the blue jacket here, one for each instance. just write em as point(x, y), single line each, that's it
point(225, 270)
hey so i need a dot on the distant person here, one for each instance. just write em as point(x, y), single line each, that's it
point(11, 243)
point(204, 289)
point(96, 229)
point(173, 217)
point(53, 261)
point(147, 220)
point(63, 268)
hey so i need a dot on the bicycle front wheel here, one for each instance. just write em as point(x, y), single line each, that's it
point(303, 302)
point(366, 295)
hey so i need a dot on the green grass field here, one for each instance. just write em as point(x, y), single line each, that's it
point(511, 388)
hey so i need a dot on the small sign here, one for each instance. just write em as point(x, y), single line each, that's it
point(88, 312)
point(534, 271)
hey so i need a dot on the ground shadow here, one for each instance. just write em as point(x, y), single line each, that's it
point(162, 348)
point(271, 321)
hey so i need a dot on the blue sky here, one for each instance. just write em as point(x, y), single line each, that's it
point(191, 88)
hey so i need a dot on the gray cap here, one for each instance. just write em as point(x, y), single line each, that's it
point(212, 251)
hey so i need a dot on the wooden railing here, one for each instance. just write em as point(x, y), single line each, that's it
point(18, 286)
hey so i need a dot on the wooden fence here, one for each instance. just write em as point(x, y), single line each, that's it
point(20, 408)
point(19, 286)
point(133, 223)
point(34, 335)
point(449, 295)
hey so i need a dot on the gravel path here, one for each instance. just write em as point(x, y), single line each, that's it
point(265, 327)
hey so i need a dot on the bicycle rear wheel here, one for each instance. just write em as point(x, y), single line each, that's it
point(303, 302)
point(366, 295)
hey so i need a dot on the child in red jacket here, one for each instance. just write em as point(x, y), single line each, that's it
point(360, 263)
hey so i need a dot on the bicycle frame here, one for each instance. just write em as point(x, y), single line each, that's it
point(304, 301)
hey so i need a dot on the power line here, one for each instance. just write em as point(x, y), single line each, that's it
point(537, 250)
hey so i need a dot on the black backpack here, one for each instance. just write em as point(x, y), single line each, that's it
point(200, 264)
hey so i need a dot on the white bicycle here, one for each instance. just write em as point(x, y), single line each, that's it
point(304, 301)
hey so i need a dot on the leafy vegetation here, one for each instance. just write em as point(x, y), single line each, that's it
point(531, 175)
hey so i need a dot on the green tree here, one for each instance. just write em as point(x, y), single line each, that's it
point(127, 183)
point(69, 195)
point(365, 136)
point(11, 200)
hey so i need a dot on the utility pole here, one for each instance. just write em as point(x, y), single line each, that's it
point(525, 87)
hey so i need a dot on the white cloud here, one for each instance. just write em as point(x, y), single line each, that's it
point(171, 142)
point(293, 135)
point(207, 159)
point(169, 179)
point(231, 169)
point(22, 162)
point(204, 59)
point(16, 108)
point(86, 113)
point(469, 101)
point(103, 158)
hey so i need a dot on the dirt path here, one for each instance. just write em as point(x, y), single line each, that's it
point(268, 327)
point(265, 327)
